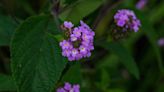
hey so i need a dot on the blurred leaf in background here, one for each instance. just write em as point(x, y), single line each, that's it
point(7, 27)
point(82, 8)
point(124, 56)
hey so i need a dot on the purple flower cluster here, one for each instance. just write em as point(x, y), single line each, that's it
point(127, 19)
point(80, 42)
point(161, 42)
point(141, 4)
point(69, 88)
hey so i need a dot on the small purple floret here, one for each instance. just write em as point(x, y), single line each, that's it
point(141, 4)
point(61, 90)
point(68, 24)
point(121, 23)
point(76, 88)
point(69, 88)
point(161, 42)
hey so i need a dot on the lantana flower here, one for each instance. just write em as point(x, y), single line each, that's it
point(79, 43)
point(127, 20)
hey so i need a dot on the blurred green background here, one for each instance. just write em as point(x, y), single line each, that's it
point(130, 64)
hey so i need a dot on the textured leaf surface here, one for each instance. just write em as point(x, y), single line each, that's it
point(124, 56)
point(36, 57)
point(6, 83)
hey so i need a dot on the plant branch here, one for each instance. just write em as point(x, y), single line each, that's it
point(55, 12)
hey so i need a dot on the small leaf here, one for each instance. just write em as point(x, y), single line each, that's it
point(6, 83)
point(124, 56)
point(82, 8)
point(36, 57)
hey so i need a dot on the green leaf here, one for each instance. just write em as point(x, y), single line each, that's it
point(6, 83)
point(124, 56)
point(7, 27)
point(160, 88)
point(82, 8)
point(152, 36)
point(37, 62)
point(157, 13)
point(73, 75)
point(52, 28)
point(104, 81)
point(109, 61)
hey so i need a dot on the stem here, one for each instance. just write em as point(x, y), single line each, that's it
point(55, 12)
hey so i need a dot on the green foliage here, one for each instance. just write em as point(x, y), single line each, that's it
point(116, 90)
point(82, 8)
point(37, 64)
point(7, 83)
point(125, 57)
point(36, 57)
point(7, 27)
point(151, 34)
point(73, 74)
point(157, 13)
point(105, 80)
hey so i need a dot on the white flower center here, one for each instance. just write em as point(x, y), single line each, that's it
point(82, 49)
point(74, 38)
point(74, 52)
point(71, 90)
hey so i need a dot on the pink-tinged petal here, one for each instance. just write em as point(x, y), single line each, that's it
point(68, 24)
